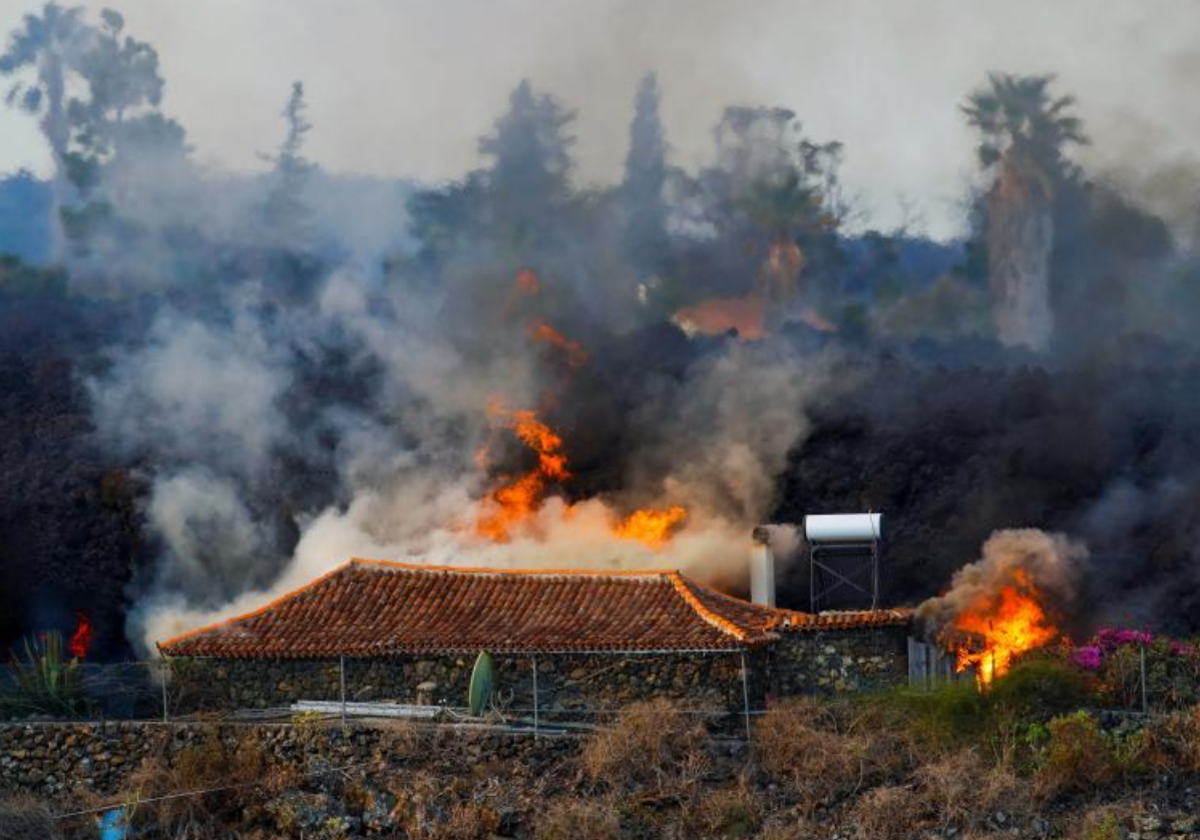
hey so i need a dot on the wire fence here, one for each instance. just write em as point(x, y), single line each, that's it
point(1141, 680)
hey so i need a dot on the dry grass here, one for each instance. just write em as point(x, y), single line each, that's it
point(213, 763)
point(728, 812)
point(886, 813)
point(653, 747)
point(964, 791)
point(466, 821)
point(24, 817)
point(798, 743)
point(575, 819)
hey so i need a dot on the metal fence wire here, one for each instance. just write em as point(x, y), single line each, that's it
point(153, 690)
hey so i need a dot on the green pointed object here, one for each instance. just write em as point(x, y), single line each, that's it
point(483, 683)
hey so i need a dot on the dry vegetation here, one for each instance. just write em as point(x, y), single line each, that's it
point(887, 768)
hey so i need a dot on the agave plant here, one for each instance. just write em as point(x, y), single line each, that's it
point(483, 684)
point(44, 680)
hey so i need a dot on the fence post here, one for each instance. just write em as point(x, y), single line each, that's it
point(535, 698)
point(342, 681)
point(1145, 705)
point(162, 678)
point(745, 695)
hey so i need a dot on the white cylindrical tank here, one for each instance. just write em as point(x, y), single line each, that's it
point(843, 527)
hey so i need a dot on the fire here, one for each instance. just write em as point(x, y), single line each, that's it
point(1009, 622)
point(527, 282)
point(747, 315)
point(651, 526)
point(81, 639)
point(540, 331)
point(517, 500)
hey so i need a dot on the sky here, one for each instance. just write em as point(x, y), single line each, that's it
point(404, 88)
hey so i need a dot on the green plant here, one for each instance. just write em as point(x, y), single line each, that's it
point(1078, 757)
point(45, 681)
point(483, 684)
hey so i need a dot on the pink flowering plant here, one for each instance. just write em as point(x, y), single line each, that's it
point(1114, 658)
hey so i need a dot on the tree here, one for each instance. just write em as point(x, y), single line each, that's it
point(529, 177)
point(286, 212)
point(50, 43)
point(1023, 134)
point(645, 212)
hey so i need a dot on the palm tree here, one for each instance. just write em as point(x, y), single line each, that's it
point(1023, 133)
point(48, 43)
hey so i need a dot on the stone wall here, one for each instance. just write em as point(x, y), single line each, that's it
point(832, 661)
point(61, 760)
point(799, 663)
point(565, 682)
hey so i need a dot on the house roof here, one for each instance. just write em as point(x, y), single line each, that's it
point(369, 608)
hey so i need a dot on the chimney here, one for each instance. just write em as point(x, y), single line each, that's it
point(762, 568)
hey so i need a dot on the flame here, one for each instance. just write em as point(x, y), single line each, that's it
point(719, 315)
point(517, 500)
point(1009, 623)
point(747, 315)
point(81, 639)
point(527, 282)
point(651, 526)
point(540, 331)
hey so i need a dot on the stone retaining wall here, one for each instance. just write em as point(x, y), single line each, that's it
point(60, 759)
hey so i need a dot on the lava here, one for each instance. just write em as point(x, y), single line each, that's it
point(650, 526)
point(1003, 625)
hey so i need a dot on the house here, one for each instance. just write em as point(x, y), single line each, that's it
point(392, 631)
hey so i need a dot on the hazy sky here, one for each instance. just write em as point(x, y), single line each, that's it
point(405, 87)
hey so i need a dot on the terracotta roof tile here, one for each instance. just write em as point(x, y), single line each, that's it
point(374, 608)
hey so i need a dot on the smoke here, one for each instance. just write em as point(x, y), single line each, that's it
point(1051, 562)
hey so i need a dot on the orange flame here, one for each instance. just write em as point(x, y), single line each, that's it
point(527, 282)
point(81, 639)
point(517, 500)
point(651, 526)
point(539, 330)
point(1009, 622)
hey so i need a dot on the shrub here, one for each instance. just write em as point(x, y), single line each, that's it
point(797, 743)
point(729, 812)
point(653, 744)
point(949, 717)
point(886, 813)
point(1038, 689)
point(964, 791)
point(1077, 758)
point(44, 679)
point(467, 821)
point(573, 819)
point(24, 817)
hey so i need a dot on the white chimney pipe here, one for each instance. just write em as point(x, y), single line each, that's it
point(762, 569)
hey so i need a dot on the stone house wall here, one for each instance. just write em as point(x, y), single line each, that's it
point(822, 662)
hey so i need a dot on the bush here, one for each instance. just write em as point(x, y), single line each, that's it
point(886, 813)
point(574, 819)
point(24, 817)
point(964, 791)
point(1078, 757)
point(652, 745)
point(797, 742)
point(730, 812)
point(1039, 689)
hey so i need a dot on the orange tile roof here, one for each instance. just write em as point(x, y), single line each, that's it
point(376, 608)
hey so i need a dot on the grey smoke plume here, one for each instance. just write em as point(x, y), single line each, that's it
point(1052, 562)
